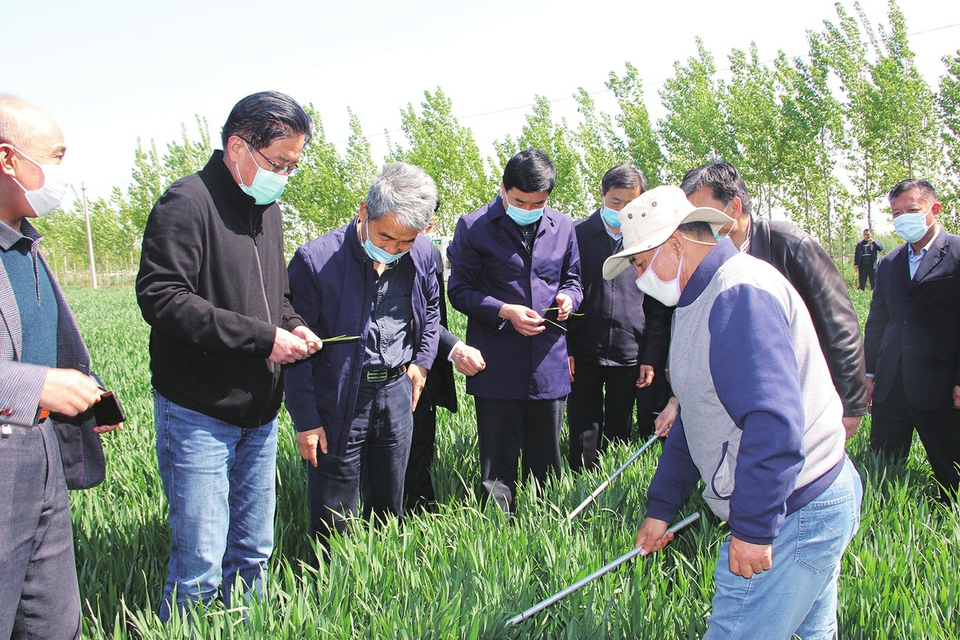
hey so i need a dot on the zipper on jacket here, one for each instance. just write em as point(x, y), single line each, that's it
point(263, 290)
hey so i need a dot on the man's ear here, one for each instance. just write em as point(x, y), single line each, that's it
point(234, 148)
point(935, 209)
point(6, 160)
point(735, 208)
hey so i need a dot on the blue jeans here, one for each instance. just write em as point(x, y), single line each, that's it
point(220, 483)
point(798, 595)
point(374, 462)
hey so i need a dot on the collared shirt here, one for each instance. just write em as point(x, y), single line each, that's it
point(913, 260)
point(745, 247)
point(36, 300)
point(389, 343)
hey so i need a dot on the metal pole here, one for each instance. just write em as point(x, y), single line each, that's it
point(606, 483)
point(593, 576)
point(86, 215)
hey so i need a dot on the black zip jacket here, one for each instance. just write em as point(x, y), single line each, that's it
point(800, 258)
point(213, 288)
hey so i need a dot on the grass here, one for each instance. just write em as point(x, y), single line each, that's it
point(462, 572)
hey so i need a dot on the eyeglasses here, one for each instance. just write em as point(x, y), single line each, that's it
point(282, 169)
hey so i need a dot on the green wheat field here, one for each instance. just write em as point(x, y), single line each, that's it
point(463, 571)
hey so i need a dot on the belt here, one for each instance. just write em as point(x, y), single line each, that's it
point(382, 375)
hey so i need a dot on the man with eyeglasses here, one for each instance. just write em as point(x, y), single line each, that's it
point(213, 287)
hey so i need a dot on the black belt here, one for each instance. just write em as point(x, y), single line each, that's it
point(382, 375)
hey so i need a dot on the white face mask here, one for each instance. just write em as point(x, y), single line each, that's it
point(48, 197)
point(650, 283)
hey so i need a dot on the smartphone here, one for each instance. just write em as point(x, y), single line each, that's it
point(108, 411)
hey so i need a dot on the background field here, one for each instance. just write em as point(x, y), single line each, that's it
point(462, 572)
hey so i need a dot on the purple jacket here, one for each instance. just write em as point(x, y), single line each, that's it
point(490, 267)
point(332, 283)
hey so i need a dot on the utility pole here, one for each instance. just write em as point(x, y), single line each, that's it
point(86, 215)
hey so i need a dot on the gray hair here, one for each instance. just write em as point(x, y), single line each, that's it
point(406, 191)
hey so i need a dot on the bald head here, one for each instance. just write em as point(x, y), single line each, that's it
point(29, 140)
point(29, 129)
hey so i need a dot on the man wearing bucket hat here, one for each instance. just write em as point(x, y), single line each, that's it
point(760, 422)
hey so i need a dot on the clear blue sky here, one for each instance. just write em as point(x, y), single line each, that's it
point(111, 71)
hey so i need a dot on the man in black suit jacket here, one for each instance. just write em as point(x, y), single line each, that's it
point(912, 337)
point(439, 391)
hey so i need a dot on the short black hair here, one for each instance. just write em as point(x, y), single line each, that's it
point(924, 187)
point(530, 171)
point(623, 176)
point(698, 229)
point(263, 117)
point(724, 181)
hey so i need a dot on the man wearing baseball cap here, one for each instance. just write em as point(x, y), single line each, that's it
point(760, 423)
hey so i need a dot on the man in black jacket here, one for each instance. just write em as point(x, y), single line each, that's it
point(912, 338)
point(613, 347)
point(865, 258)
point(440, 390)
point(802, 261)
point(213, 288)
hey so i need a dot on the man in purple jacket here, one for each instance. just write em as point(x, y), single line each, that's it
point(352, 404)
point(515, 273)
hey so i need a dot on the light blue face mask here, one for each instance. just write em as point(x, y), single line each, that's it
point(611, 217)
point(911, 226)
point(267, 185)
point(521, 216)
point(377, 254)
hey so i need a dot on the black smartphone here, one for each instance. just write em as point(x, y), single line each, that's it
point(108, 411)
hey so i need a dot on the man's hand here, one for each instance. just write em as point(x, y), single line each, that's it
point(747, 559)
point(956, 397)
point(525, 320)
point(652, 536)
point(870, 394)
point(565, 303)
point(572, 366)
point(309, 441)
point(646, 376)
point(667, 417)
point(287, 348)
point(68, 391)
point(851, 424)
point(314, 343)
point(469, 360)
point(418, 376)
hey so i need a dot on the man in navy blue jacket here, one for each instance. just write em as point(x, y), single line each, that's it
point(352, 404)
point(515, 273)
point(611, 353)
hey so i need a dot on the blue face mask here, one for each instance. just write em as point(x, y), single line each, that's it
point(611, 217)
point(266, 186)
point(911, 226)
point(377, 254)
point(521, 216)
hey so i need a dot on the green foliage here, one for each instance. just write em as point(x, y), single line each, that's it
point(640, 143)
point(463, 571)
point(822, 137)
point(695, 129)
point(447, 152)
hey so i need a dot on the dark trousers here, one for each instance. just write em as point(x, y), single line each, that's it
point(508, 427)
point(39, 597)
point(892, 428)
point(866, 272)
point(373, 464)
point(600, 407)
point(418, 491)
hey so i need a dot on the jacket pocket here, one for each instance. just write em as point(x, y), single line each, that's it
point(723, 479)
